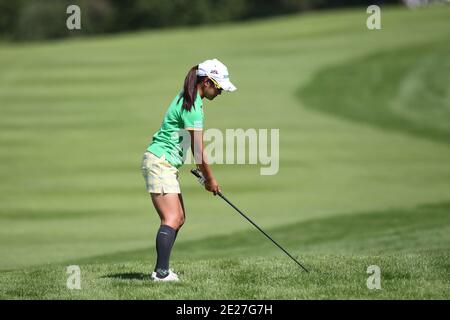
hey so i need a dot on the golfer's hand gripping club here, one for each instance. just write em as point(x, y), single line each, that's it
point(199, 175)
point(201, 179)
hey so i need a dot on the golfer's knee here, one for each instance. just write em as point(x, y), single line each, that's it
point(174, 222)
point(182, 220)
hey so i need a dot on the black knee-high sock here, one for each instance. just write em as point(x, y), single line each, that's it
point(164, 242)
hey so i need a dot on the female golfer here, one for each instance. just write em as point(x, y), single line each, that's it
point(166, 154)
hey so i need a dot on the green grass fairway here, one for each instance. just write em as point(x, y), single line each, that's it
point(364, 173)
point(409, 246)
point(408, 89)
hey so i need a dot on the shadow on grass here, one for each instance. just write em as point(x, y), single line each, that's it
point(129, 276)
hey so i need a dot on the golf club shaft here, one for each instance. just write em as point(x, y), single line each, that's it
point(198, 174)
point(249, 220)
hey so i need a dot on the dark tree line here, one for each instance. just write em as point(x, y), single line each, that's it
point(46, 19)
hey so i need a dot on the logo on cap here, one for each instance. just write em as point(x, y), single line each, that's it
point(214, 71)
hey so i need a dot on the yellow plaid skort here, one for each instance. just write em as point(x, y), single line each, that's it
point(159, 175)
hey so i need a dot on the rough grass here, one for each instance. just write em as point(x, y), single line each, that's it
point(411, 248)
point(405, 276)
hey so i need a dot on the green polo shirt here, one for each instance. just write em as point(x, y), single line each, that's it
point(168, 140)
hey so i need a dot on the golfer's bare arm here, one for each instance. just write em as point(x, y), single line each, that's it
point(197, 147)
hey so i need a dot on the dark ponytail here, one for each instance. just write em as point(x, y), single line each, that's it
point(189, 93)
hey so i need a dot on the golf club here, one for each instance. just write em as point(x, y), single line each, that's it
point(201, 179)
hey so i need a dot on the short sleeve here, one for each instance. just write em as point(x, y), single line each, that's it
point(193, 119)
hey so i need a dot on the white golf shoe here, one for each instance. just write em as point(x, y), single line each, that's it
point(172, 276)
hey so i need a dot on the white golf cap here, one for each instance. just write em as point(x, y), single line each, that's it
point(218, 71)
